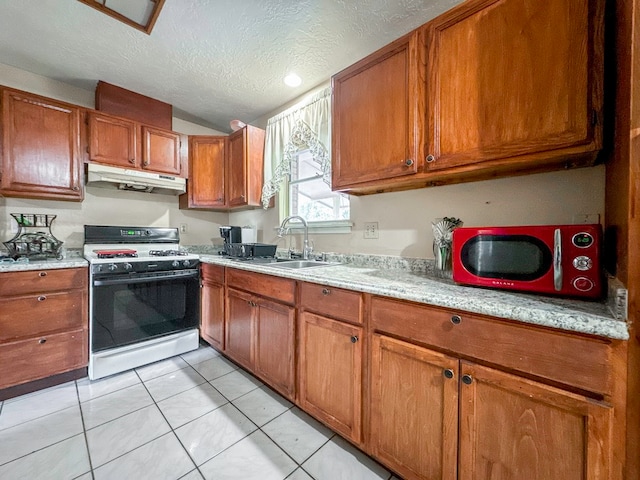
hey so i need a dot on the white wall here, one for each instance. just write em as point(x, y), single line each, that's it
point(102, 206)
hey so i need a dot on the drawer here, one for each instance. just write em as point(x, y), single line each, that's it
point(333, 302)
point(18, 283)
point(41, 357)
point(571, 359)
point(212, 273)
point(278, 288)
point(30, 315)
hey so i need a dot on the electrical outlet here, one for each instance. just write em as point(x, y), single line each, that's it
point(371, 230)
point(587, 218)
point(184, 228)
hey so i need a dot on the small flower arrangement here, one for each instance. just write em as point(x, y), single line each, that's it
point(442, 237)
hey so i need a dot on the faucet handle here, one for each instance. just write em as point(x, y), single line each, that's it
point(309, 248)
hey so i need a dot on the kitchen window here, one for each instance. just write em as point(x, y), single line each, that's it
point(298, 166)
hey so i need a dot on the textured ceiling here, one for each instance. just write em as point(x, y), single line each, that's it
point(216, 60)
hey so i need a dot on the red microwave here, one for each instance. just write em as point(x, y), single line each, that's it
point(549, 259)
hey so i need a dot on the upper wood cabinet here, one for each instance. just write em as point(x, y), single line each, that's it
point(125, 143)
point(378, 114)
point(206, 185)
point(514, 82)
point(489, 88)
point(225, 172)
point(40, 148)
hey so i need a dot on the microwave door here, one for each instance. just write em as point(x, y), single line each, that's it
point(557, 260)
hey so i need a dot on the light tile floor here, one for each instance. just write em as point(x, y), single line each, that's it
point(190, 417)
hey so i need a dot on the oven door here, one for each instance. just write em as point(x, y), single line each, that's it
point(126, 309)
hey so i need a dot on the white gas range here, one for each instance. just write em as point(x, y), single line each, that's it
point(144, 297)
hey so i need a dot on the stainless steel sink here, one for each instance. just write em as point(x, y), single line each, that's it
point(296, 264)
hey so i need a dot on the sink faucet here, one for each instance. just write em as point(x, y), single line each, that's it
point(307, 249)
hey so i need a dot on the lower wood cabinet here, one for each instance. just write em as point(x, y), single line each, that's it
point(330, 373)
point(435, 417)
point(414, 409)
point(259, 331)
point(43, 324)
point(212, 305)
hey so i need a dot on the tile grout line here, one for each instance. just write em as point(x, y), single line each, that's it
point(84, 431)
point(173, 432)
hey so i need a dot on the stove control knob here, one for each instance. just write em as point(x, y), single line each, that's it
point(113, 267)
point(187, 263)
point(175, 264)
point(127, 266)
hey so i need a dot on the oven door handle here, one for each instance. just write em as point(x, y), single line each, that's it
point(131, 280)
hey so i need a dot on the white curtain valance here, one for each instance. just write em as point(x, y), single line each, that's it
point(304, 126)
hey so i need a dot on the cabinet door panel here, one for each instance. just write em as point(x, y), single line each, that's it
point(206, 184)
point(237, 169)
point(161, 151)
point(239, 327)
point(112, 140)
point(275, 337)
point(513, 428)
point(40, 148)
point(378, 114)
point(509, 78)
point(47, 313)
point(414, 409)
point(40, 357)
point(212, 323)
point(331, 373)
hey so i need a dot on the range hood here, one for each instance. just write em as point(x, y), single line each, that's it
point(105, 176)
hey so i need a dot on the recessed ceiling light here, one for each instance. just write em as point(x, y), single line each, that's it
point(293, 80)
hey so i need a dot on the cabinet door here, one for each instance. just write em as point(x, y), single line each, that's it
point(414, 409)
point(513, 428)
point(378, 114)
point(206, 184)
point(275, 344)
point(212, 316)
point(161, 151)
point(239, 327)
point(514, 77)
point(330, 373)
point(112, 140)
point(40, 148)
point(237, 169)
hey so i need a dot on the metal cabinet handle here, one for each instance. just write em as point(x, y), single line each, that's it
point(326, 291)
point(146, 163)
point(42, 298)
point(430, 158)
point(467, 379)
point(76, 188)
point(42, 274)
point(132, 161)
point(408, 162)
point(42, 340)
point(448, 373)
point(354, 339)
point(456, 319)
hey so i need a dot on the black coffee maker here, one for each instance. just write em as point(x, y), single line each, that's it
point(230, 235)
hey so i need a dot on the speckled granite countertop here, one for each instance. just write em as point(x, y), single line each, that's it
point(50, 263)
point(419, 286)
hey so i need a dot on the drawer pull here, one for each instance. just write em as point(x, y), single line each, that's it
point(456, 319)
point(42, 274)
point(42, 298)
point(326, 291)
point(354, 339)
point(467, 379)
point(448, 373)
point(42, 340)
